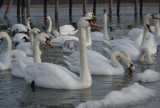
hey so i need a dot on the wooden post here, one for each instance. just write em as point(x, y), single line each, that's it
point(8, 8)
point(1, 3)
point(110, 7)
point(159, 6)
point(28, 8)
point(118, 7)
point(70, 11)
point(23, 11)
point(18, 11)
point(136, 7)
point(45, 9)
point(141, 7)
point(94, 7)
point(84, 7)
point(56, 14)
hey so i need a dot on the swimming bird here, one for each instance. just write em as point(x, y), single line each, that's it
point(7, 55)
point(54, 76)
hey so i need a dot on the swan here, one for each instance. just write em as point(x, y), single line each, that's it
point(18, 65)
point(144, 54)
point(136, 37)
point(60, 41)
point(20, 37)
point(53, 76)
point(147, 46)
point(19, 28)
point(101, 65)
point(27, 46)
point(156, 28)
point(8, 55)
point(100, 36)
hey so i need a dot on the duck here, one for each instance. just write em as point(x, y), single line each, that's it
point(8, 54)
point(48, 75)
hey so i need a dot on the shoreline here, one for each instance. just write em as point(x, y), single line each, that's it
point(88, 5)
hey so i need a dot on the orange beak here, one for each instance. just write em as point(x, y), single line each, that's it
point(94, 24)
point(48, 42)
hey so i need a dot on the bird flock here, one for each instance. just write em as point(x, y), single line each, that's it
point(24, 57)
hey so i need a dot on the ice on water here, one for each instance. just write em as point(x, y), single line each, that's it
point(127, 96)
point(148, 76)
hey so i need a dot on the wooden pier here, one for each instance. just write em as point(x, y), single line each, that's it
point(24, 7)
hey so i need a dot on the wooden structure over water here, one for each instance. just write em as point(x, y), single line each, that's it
point(21, 10)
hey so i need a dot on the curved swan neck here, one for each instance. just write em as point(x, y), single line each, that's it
point(105, 33)
point(84, 70)
point(28, 24)
point(117, 55)
point(144, 37)
point(36, 50)
point(9, 43)
point(88, 37)
point(50, 25)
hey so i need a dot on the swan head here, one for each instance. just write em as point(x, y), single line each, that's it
point(90, 15)
point(43, 38)
point(157, 16)
point(35, 31)
point(147, 17)
point(29, 21)
point(85, 22)
point(47, 19)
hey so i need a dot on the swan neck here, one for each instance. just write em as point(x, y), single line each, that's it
point(9, 43)
point(36, 50)
point(88, 37)
point(84, 70)
point(144, 37)
point(31, 38)
point(28, 25)
point(115, 57)
point(105, 33)
point(49, 26)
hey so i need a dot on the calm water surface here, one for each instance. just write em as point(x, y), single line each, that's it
point(15, 93)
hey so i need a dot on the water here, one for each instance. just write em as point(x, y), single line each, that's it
point(15, 93)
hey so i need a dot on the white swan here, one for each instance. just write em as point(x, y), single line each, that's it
point(137, 37)
point(20, 37)
point(100, 65)
point(54, 76)
point(27, 46)
point(147, 46)
point(19, 28)
point(100, 36)
point(18, 65)
point(6, 55)
point(156, 28)
point(67, 41)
